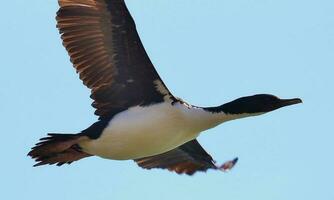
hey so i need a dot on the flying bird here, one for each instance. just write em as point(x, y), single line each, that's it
point(138, 117)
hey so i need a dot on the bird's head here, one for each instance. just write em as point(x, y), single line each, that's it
point(257, 104)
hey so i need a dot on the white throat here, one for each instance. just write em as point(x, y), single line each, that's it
point(202, 119)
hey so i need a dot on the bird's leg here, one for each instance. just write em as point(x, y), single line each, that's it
point(228, 165)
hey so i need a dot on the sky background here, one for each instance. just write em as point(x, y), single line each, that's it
point(208, 53)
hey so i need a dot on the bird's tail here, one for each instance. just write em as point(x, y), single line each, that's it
point(58, 149)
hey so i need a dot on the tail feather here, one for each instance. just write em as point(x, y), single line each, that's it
point(58, 149)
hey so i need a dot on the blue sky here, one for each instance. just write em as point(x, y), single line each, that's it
point(208, 53)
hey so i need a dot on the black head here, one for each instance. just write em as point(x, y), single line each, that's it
point(257, 104)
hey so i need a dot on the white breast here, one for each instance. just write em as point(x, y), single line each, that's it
point(146, 131)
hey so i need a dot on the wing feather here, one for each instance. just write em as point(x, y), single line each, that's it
point(105, 49)
point(188, 158)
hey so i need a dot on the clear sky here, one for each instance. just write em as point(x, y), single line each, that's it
point(208, 53)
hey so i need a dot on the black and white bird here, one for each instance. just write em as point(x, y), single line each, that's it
point(139, 118)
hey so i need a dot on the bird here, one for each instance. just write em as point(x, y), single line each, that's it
point(138, 117)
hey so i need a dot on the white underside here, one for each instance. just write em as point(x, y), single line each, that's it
point(146, 131)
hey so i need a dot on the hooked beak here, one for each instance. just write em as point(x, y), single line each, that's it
point(289, 102)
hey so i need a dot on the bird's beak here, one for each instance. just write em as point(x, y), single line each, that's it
point(289, 102)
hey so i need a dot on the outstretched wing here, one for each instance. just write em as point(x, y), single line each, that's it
point(188, 158)
point(105, 49)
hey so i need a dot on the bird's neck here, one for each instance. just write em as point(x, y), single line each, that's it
point(209, 117)
point(206, 118)
point(228, 111)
